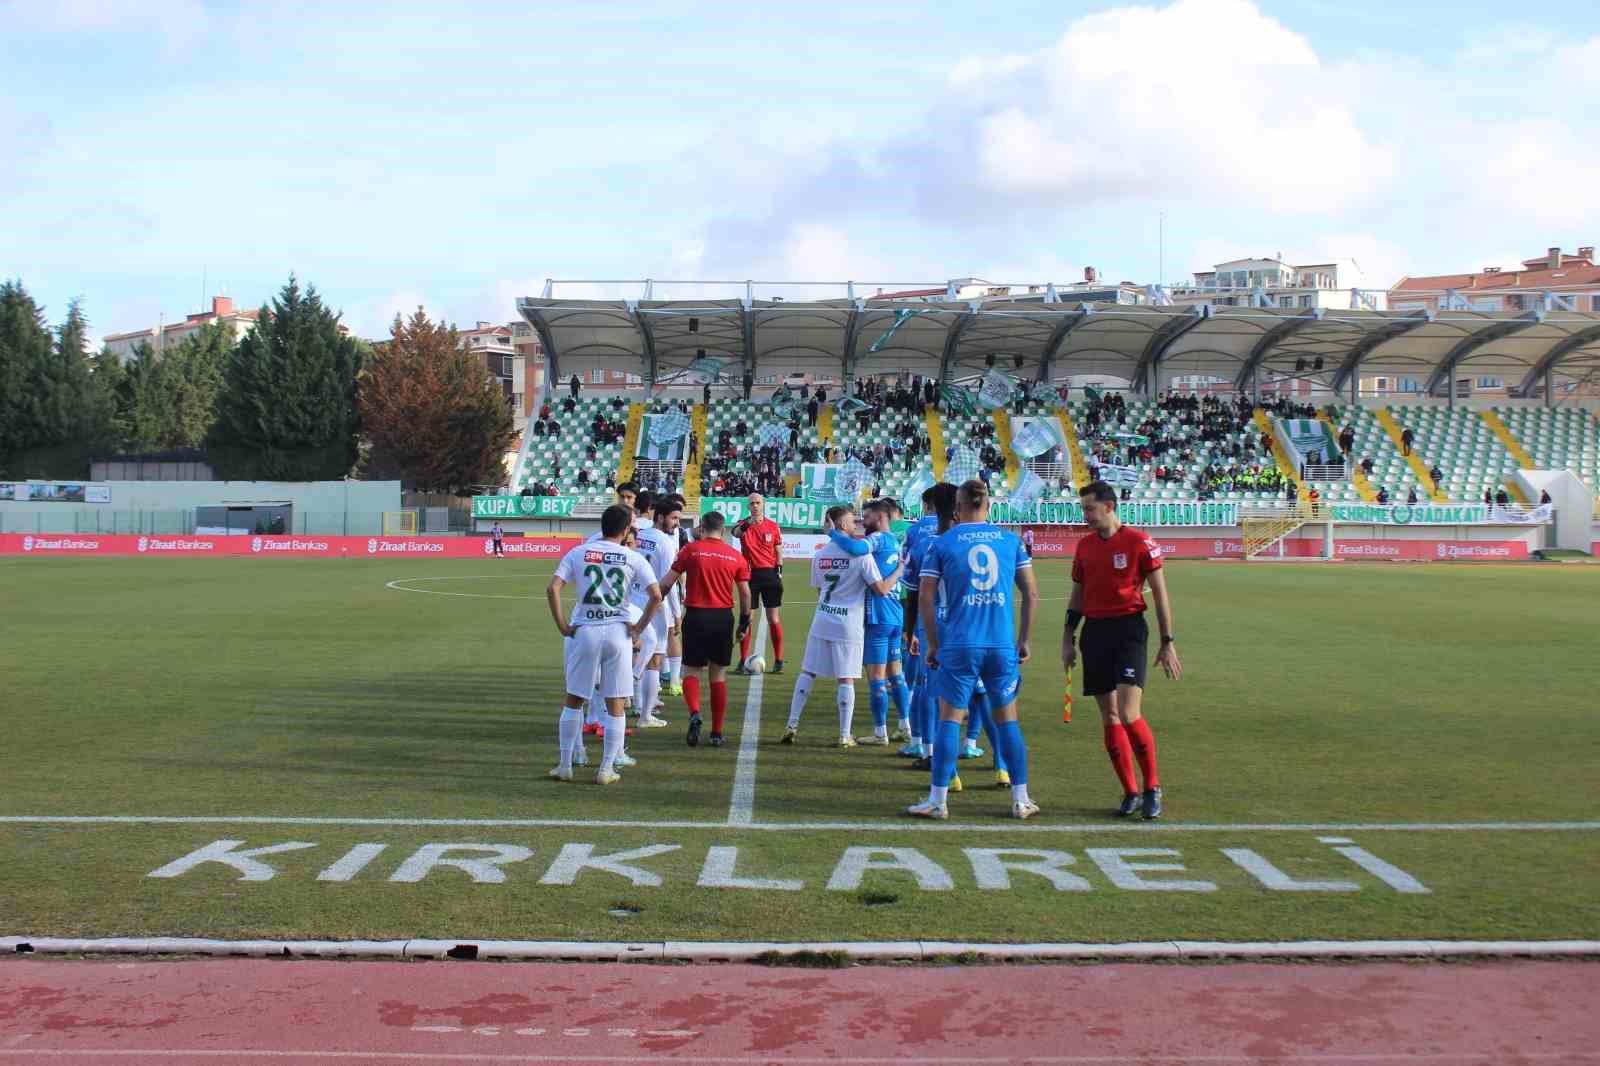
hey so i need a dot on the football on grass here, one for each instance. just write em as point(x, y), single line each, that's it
point(756, 664)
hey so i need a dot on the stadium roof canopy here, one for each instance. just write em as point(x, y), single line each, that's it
point(1043, 336)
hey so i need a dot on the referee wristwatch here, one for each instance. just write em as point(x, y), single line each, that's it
point(1168, 639)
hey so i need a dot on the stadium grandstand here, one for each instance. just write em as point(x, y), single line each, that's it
point(770, 386)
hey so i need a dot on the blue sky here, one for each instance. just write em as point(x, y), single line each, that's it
point(457, 155)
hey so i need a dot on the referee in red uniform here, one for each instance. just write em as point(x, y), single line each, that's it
point(1109, 569)
point(710, 570)
point(761, 540)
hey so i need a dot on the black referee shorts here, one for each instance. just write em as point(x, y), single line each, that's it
point(707, 636)
point(1115, 651)
point(766, 587)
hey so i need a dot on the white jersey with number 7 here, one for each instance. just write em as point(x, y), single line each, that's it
point(602, 572)
point(841, 582)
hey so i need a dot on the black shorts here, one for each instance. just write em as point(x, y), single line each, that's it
point(1115, 651)
point(707, 636)
point(766, 587)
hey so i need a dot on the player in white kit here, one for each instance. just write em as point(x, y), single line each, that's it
point(659, 544)
point(836, 642)
point(601, 573)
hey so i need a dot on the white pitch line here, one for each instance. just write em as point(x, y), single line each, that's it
point(906, 826)
point(742, 802)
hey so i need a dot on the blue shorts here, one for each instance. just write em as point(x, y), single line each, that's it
point(961, 670)
point(882, 644)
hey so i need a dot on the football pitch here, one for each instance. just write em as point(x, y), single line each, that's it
point(348, 749)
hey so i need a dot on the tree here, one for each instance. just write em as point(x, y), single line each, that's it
point(51, 416)
point(170, 400)
point(434, 414)
point(287, 408)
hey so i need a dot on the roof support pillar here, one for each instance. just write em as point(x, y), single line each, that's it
point(1161, 340)
point(1271, 339)
point(1348, 374)
point(852, 331)
point(952, 340)
point(1544, 368)
point(1445, 373)
point(647, 342)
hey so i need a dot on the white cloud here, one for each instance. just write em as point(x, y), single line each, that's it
point(174, 23)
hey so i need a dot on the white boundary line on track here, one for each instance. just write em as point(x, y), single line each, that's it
point(998, 826)
point(742, 800)
point(737, 951)
point(1320, 1058)
point(400, 584)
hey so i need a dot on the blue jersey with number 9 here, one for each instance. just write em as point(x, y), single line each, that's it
point(976, 564)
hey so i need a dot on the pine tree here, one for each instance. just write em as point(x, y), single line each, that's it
point(435, 416)
point(25, 372)
point(287, 409)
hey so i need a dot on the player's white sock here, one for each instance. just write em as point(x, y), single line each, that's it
point(616, 733)
point(638, 693)
point(675, 669)
point(802, 692)
point(651, 686)
point(1019, 794)
point(596, 711)
point(881, 731)
point(936, 795)
point(847, 706)
point(570, 728)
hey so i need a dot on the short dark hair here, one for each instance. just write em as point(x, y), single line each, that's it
point(892, 505)
point(643, 501)
point(944, 502)
point(665, 505)
point(628, 486)
point(615, 519)
point(972, 494)
point(837, 511)
point(928, 496)
point(1099, 492)
point(712, 521)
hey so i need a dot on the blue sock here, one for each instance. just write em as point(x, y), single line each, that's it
point(991, 729)
point(1016, 752)
point(977, 715)
point(944, 756)
point(878, 700)
point(900, 692)
point(930, 712)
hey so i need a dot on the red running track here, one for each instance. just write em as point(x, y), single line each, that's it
point(312, 1013)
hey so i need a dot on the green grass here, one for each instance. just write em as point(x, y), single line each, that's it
point(307, 688)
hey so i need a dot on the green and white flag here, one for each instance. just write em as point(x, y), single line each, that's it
point(995, 389)
point(666, 427)
point(922, 482)
point(901, 317)
point(1035, 437)
point(957, 400)
point(1030, 487)
point(1120, 476)
point(783, 402)
point(853, 480)
point(820, 482)
point(850, 405)
point(655, 444)
point(705, 370)
point(1043, 392)
point(1312, 435)
point(1136, 439)
point(963, 466)
point(772, 434)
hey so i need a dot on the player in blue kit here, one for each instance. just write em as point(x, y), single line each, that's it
point(918, 537)
point(885, 620)
point(970, 571)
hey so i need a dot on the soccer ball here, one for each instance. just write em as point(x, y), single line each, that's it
point(756, 664)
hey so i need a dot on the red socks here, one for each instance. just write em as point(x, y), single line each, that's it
point(744, 642)
point(1144, 749)
point(1121, 753)
point(719, 705)
point(691, 692)
point(777, 641)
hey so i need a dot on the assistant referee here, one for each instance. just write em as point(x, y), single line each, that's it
point(1110, 567)
point(711, 571)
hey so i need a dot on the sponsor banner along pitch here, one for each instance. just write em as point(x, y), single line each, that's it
point(428, 547)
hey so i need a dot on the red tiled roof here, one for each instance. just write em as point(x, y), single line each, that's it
point(1572, 275)
point(908, 294)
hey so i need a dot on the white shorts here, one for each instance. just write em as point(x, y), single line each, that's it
point(600, 655)
point(833, 658)
point(649, 645)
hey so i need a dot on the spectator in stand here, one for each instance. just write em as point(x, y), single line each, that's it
point(1436, 475)
point(583, 477)
point(555, 428)
point(1366, 466)
point(539, 428)
point(573, 385)
point(1411, 496)
point(1347, 439)
point(589, 453)
point(1488, 498)
point(1544, 497)
point(1406, 439)
point(569, 405)
point(1501, 499)
point(694, 446)
point(749, 383)
point(1383, 495)
point(544, 411)
point(555, 469)
point(811, 411)
point(705, 394)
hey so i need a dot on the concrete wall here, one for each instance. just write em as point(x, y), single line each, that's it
point(325, 507)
